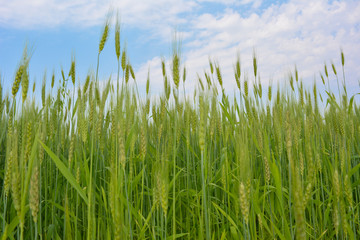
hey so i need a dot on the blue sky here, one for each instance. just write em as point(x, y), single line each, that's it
point(283, 33)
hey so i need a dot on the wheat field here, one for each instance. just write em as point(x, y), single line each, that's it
point(91, 162)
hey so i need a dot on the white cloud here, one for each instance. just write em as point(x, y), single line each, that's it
point(83, 13)
point(43, 13)
point(305, 33)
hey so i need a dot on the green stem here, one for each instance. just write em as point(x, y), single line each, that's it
point(97, 67)
point(207, 226)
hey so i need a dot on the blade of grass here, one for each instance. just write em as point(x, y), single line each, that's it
point(66, 173)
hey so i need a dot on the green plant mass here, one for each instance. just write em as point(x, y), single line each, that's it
point(103, 161)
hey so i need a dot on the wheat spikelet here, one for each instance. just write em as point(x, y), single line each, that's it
point(43, 93)
point(175, 69)
point(25, 85)
point(342, 57)
point(237, 79)
point(341, 124)
point(237, 70)
point(86, 85)
point(123, 59)
point(292, 85)
point(164, 191)
point(104, 36)
point(315, 93)
point(342, 159)
point(9, 156)
point(78, 176)
point(33, 88)
point(34, 193)
point(326, 71)
point(322, 79)
point(277, 100)
point(122, 154)
point(296, 74)
point(218, 74)
point(260, 222)
point(127, 73)
point(163, 67)
point(132, 72)
point(244, 203)
point(53, 78)
point(71, 149)
point(308, 193)
point(246, 88)
point(254, 63)
point(117, 38)
point(83, 122)
point(155, 114)
point(301, 163)
point(260, 89)
point(72, 71)
point(211, 66)
point(184, 74)
point(27, 142)
point(208, 81)
point(160, 132)
point(269, 93)
point(148, 82)
point(18, 78)
point(299, 216)
point(333, 68)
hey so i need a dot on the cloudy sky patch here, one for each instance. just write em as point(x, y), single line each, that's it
point(283, 33)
